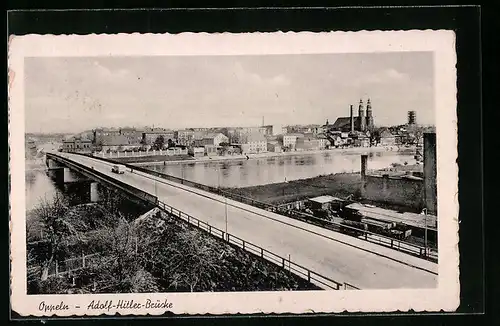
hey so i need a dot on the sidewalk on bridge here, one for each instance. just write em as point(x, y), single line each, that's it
point(334, 236)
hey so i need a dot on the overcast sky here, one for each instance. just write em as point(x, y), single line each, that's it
point(74, 94)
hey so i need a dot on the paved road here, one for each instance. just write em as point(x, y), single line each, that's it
point(340, 257)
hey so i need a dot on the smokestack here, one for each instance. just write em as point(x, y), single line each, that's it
point(352, 118)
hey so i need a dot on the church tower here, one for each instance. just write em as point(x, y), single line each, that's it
point(362, 118)
point(369, 116)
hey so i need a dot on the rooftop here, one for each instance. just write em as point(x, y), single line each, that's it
point(381, 214)
point(212, 134)
point(116, 140)
point(324, 199)
point(70, 139)
point(254, 137)
point(343, 122)
point(156, 130)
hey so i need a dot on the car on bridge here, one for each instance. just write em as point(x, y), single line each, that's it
point(119, 169)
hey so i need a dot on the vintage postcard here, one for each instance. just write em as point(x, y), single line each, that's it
point(229, 173)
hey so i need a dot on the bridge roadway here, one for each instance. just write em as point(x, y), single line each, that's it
point(340, 257)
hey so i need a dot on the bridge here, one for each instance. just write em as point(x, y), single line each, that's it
point(327, 253)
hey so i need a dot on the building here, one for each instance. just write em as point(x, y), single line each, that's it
point(253, 143)
point(362, 123)
point(150, 135)
point(100, 133)
point(196, 151)
point(322, 202)
point(290, 140)
point(133, 134)
point(184, 137)
point(117, 143)
point(323, 141)
point(412, 118)
point(268, 130)
point(240, 133)
point(387, 138)
point(210, 150)
point(361, 140)
point(274, 146)
point(307, 144)
point(77, 144)
point(212, 139)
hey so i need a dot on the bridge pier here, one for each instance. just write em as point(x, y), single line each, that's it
point(62, 175)
point(52, 164)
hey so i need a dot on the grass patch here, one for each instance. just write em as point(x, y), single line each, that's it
point(340, 185)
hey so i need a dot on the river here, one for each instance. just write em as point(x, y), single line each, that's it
point(259, 171)
point(241, 173)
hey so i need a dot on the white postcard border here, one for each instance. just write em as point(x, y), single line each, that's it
point(441, 43)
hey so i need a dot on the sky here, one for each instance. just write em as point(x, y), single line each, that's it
point(76, 94)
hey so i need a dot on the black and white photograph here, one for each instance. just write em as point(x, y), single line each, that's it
point(229, 167)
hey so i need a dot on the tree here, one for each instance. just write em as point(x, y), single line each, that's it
point(159, 142)
point(52, 215)
point(193, 262)
point(225, 132)
point(170, 143)
point(120, 269)
point(419, 134)
point(375, 136)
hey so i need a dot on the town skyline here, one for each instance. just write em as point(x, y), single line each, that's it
point(75, 94)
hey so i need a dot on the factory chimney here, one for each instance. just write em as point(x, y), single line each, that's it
point(352, 118)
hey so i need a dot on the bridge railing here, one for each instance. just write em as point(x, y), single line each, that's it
point(368, 236)
point(285, 263)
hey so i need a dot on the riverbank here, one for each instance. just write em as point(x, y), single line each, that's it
point(165, 160)
point(140, 160)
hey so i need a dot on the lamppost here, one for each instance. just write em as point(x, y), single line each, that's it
point(424, 211)
point(156, 192)
point(225, 205)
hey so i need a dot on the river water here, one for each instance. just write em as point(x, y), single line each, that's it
point(240, 173)
point(259, 171)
